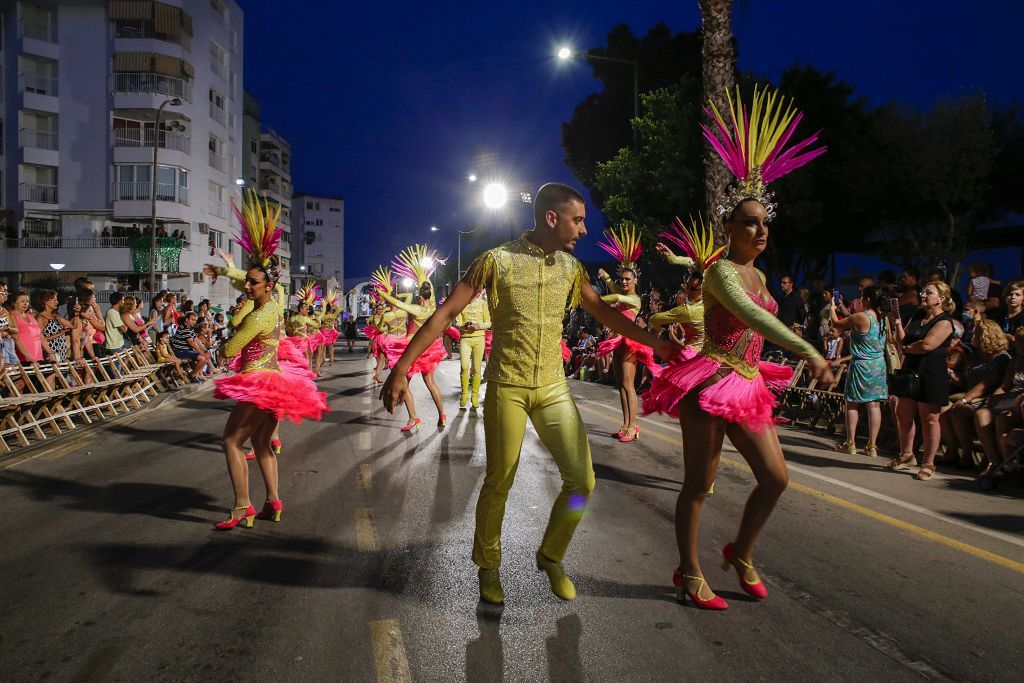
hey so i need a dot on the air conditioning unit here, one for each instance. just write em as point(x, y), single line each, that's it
point(204, 228)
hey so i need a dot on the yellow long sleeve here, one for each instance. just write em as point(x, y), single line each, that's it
point(631, 301)
point(262, 320)
point(419, 313)
point(723, 286)
point(687, 314)
point(684, 261)
point(610, 283)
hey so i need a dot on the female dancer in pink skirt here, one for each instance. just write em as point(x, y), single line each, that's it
point(624, 246)
point(417, 263)
point(725, 389)
point(268, 388)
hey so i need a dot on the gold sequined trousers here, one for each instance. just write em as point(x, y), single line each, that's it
point(558, 423)
point(471, 354)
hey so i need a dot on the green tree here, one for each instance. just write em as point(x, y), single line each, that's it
point(718, 56)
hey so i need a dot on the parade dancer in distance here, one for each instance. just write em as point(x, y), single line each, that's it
point(726, 389)
point(417, 263)
point(329, 326)
point(473, 323)
point(624, 247)
point(392, 321)
point(301, 327)
point(267, 389)
point(531, 283)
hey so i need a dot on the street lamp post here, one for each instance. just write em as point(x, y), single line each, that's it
point(461, 233)
point(567, 53)
point(174, 102)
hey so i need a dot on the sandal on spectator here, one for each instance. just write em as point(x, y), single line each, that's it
point(926, 472)
point(848, 447)
point(871, 450)
point(899, 463)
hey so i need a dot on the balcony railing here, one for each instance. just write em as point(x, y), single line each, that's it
point(275, 161)
point(218, 162)
point(153, 83)
point(38, 31)
point(44, 194)
point(50, 242)
point(140, 191)
point(146, 28)
point(136, 137)
point(40, 85)
point(218, 114)
point(40, 139)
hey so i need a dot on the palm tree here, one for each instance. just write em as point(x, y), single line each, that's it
point(719, 57)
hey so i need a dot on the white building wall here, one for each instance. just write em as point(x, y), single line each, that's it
point(85, 105)
point(324, 219)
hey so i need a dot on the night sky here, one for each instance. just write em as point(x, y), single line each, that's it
point(389, 103)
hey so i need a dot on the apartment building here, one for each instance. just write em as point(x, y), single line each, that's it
point(275, 183)
point(89, 90)
point(318, 240)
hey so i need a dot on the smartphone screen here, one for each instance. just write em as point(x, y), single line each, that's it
point(894, 305)
point(837, 299)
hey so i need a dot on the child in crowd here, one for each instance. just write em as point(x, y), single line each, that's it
point(165, 355)
point(977, 288)
point(833, 344)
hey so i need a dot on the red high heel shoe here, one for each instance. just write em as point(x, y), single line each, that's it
point(442, 421)
point(272, 509)
point(754, 589)
point(716, 603)
point(231, 523)
point(250, 454)
point(631, 434)
point(412, 426)
point(619, 434)
point(276, 445)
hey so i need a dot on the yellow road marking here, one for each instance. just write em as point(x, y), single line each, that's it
point(366, 531)
point(389, 652)
point(365, 477)
point(878, 516)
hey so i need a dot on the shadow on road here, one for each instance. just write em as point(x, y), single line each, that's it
point(204, 441)
point(612, 473)
point(120, 498)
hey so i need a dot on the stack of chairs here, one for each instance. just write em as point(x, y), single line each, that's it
point(807, 400)
point(39, 401)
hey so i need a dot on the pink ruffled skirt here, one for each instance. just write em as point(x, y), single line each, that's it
point(734, 397)
point(566, 352)
point(371, 332)
point(289, 394)
point(329, 335)
point(642, 353)
point(454, 334)
point(394, 347)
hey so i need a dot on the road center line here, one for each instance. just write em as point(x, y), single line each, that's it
point(366, 531)
point(389, 651)
point(878, 516)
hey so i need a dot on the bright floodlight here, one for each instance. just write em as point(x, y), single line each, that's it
point(56, 266)
point(239, 181)
point(471, 178)
point(564, 53)
point(407, 282)
point(426, 262)
point(495, 196)
point(433, 228)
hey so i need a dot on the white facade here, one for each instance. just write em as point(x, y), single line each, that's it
point(318, 239)
point(82, 84)
point(275, 182)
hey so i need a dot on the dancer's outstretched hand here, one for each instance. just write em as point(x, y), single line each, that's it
point(821, 371)
point(393, 391)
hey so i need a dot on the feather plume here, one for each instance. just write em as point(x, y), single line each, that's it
point(260, 236)
point(623, 245)
point(696, 241)
point(417, 263)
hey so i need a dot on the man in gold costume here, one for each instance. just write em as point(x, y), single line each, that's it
point(530, 284)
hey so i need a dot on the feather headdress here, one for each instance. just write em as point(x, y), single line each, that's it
point(417, 263)
point(382, 280)
point(623, 245)
point(308, 294)
point(332, 298)
point(260, 235)
point(696, 240)
point(752, 146)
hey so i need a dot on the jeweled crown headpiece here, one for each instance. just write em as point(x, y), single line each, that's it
point(752, 146)
point(696, 240)
point(623, 245)
point(260, 235)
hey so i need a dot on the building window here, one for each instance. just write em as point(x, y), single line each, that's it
point(334, 209)
point(309, 205)
point(319, 221)
point(134, 183)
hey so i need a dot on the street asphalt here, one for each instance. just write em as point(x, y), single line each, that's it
point(112, 571)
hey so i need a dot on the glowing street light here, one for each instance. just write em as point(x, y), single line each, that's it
point(407, 282)
point(495, 196)
point(426, 262)
point(471, 177)
point(564, 53)
point(434, 228)
point(57, 266)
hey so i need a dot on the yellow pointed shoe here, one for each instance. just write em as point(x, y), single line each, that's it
point(560, 583)
point(490, 586)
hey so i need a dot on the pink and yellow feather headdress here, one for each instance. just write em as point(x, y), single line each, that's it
point(308, 294)
point(417, 263)
point(623, 245)
point(696, 240)
point(382, 280)
point(752, 146)
point(333, 299)
point(260, 236)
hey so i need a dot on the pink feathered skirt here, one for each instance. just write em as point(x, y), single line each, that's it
point(290, 393)
point(454, 334)
point(566, 352)
point(371, 332)
point(734, 397)
point(641, 352)
point(428, 361)
point(329, 335)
